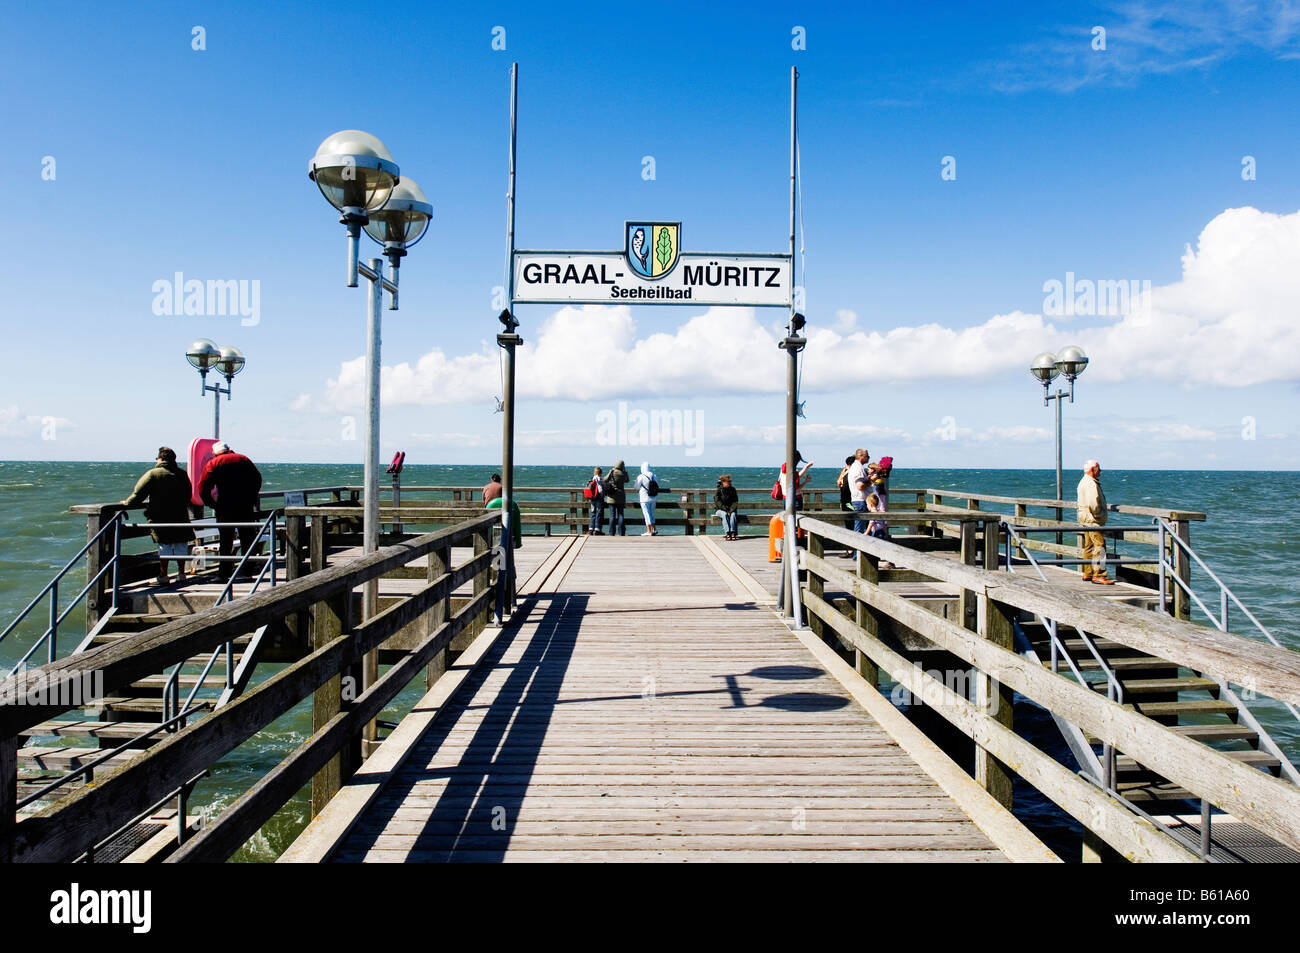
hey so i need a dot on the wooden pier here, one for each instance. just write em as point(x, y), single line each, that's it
point(647, 700)
point(640, 708)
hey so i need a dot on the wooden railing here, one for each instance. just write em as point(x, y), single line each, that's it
point(982, 638)
point(1132, 535)
point(323, 603)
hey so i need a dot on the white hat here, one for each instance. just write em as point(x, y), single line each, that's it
point(220, 447)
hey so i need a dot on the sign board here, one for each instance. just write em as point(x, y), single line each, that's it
point(295, 498)
point(652, 269)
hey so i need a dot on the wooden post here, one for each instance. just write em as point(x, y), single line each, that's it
point(868, 571)
point(989, 538)
point(817, 586)
point(295, 531)
point(439, 563)
point(96, 599)
point(317, 552)
point(575, 526)
point(997, 700)
point(482, 544)
point(1183, 570)
point(688, 510)
point(330, 619)
point(8, 796)
point(967, 601)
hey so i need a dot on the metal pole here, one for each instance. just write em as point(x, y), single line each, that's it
point(790, 554)
point(1059, 395)
point(216, 412)
point(506, 600)
point(510, 192)
point(370, 530)
point(508, 475)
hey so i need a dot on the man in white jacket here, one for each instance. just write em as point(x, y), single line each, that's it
point(1092, 512)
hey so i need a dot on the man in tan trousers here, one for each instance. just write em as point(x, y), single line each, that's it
point(1092, 512)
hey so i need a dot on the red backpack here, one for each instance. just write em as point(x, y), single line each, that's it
point(589, 491)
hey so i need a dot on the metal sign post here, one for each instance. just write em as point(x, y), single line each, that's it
point(652, 269)
point(505, 602)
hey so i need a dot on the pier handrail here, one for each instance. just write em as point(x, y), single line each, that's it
point(1153, 511)
point(1267, 803)
point(1226, 596)
point(51, 589)
point(68, 829)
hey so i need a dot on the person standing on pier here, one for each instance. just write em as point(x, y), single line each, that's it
point(230, 485)
point(1092, 512)
point(648, 495)
point(859, 487)
point(167, 489)
point(726, 499)
point(595, 494)
point(801, 480)
point(616, 497)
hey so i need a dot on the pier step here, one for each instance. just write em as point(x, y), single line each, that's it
point(1174, 709)
point(109, 734)
point(66, 759)
point(1141, 663)
point(124, 623)
point(1163, 686)
point(1256, 759)
point(1208, 733)
point(152, 684)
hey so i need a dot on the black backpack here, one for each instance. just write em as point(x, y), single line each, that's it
point(652, 488)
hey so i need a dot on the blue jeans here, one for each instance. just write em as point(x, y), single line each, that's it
point(729, 521)
point(648, 511)
point(597, 513)
point(860, 524)
point(617, 524)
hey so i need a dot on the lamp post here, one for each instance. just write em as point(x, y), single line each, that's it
point(357, 175)
point(228, 362)
point(1047, 367)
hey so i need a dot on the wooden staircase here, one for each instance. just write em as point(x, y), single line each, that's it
point(57, 748)
point(1190, 705)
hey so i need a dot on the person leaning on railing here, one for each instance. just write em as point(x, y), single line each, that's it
point(230, 484)
point(1092, 512)
point(167, 489)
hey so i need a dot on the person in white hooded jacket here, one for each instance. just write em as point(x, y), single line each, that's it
point(645, 482)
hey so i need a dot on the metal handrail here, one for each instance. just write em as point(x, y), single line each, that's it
point(172, 688)
point(1225, 593)
point(1014, 534)
point(90, 766)
point(53, 585)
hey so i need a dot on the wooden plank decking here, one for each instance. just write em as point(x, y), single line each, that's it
point(642, 706)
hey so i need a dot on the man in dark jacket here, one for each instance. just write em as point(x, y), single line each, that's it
point(230, 485)
point(165, 491)
point(616, 497)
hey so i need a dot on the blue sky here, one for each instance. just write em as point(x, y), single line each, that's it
point(925, 296)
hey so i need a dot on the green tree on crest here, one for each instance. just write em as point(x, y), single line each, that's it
point(664, 249)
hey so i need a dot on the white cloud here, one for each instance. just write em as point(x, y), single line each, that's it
point(1148, 38)
point(1230, 321)
point(19, 426)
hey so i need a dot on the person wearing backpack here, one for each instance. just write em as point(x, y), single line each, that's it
point(648, 491)
point(616, 498)
point(594, 493)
